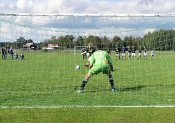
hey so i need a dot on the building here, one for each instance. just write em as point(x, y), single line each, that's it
point(54, 46)
point(30, 46)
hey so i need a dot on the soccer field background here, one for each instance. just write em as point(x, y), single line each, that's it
point(50, 79)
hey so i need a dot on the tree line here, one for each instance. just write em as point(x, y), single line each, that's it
point(158, 40)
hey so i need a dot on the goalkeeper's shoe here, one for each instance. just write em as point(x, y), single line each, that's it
point(80, 91)
point(113, 90)
point(86, 65)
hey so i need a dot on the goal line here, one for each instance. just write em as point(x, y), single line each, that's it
point(168, 106)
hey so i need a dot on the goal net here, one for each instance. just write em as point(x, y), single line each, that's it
point(46, 76)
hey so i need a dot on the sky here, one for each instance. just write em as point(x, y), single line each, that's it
point(88, 6)
point(39, 28)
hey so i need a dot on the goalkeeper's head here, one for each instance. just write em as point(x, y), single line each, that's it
point(99, 47)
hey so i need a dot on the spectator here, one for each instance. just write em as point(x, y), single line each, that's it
point(123, 53)
point(3, 53)
point(21, 57)
point(129, 53)
point(140, 52)
point(16, 56)
point(11, 52)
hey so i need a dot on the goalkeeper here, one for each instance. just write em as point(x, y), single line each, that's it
point(100, 62)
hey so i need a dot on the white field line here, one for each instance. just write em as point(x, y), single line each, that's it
point(168, 106)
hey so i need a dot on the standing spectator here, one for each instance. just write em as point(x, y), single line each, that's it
point(145, 53)
point(140, 52)
point(3, 53)
point(129, 53)
point(123, 53)
point(11, 52)
point(8, 52)
point(133, 53)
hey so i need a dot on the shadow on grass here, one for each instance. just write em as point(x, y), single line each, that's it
point(139, 87)
point(121, 89)
point(135, 88)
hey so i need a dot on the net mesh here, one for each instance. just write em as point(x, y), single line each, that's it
point(47, 76)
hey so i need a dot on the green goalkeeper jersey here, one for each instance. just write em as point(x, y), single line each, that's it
point(100, 58)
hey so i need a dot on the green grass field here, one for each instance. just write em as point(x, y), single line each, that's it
point(49, 79)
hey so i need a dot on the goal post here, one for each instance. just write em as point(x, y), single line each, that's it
point(79, 48)
point(50, 78)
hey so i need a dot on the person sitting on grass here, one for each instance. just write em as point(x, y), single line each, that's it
point(21, 57)
point(16, 56)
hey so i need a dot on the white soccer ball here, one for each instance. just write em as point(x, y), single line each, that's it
point(77, 67)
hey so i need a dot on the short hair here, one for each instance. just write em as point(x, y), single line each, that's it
point(90, 44)
point(100, 47)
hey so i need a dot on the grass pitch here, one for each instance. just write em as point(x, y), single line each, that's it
point(50, 79)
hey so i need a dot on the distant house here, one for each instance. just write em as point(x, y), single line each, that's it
point(54, 46)
point(51, 47)
point(31, 46)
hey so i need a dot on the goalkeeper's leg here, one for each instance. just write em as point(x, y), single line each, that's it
point(84, 83)
point(111, 81)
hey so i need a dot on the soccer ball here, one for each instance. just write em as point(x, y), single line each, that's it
point(77, 67)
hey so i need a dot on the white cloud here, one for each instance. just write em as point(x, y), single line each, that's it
point(90, 6)
point(43, 27)
point(2, 5)
point(12, 6)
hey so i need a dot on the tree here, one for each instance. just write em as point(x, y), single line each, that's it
point(29, 41)
point(80, 41)
point(68, 39)
point(61, 42)
point(116, 41)
point(20, 42)
point(105, 42)
point(8, 44)
point(95, 40)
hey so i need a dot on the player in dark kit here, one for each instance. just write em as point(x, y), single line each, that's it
point(133, 53)
point(129, 53)
point(89, 51)
point(83, 52)
point(140, 52)
point(117, 53)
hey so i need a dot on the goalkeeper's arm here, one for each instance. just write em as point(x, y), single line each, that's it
point(90, 66)
point(111, 67)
